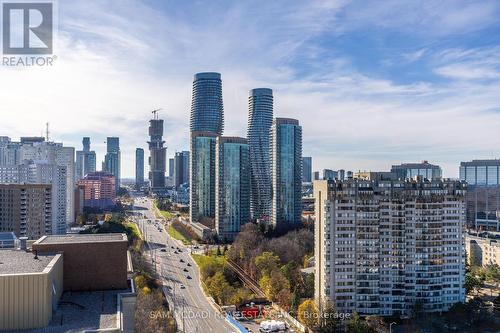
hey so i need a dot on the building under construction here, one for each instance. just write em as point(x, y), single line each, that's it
point(157, 154)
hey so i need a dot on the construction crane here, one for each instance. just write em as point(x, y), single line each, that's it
point(155, 114)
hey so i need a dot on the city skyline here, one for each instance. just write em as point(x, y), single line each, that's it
point(435, 65)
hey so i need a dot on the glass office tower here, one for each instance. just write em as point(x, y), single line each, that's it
point(306, 169)
point(232, 186)
point(202, 176)
point(260, 119)
point(207, 111)
point(286, 173)
point(483, 193)
point(424, 169)
point(139, 168)
point(112, 159)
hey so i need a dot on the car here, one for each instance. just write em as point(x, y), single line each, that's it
point(185, 270)
point(163, 250)
point(189, 265)
point(188, 277)
point(182, 260)
point(176, 252)
point(171, 247)
point(183, 286)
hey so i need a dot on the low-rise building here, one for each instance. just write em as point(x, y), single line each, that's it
point(30, 288)
point(482, 251)
point(68, 283)
point(92, 261)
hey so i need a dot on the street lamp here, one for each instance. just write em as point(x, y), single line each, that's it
point(390, 326)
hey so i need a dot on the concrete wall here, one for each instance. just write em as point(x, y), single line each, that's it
point(91, 266)
point(26, 299)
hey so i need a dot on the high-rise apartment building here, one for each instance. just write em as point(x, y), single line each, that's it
point(99, 190)
point(260, 119)
point(306, 169)
point(181, 168)
point(483, 194)
point(9, 151)
point(171, 167)
point(112, 159)
point(232, 186)
point(26, 209)
point(202, 176)
point(85, 160)
point(286, 173)
point(139, 168)
point(206, 123)
point(157, 155)
point(207, 111)
point(383, 247)
point(424, 169)
point(60, 161)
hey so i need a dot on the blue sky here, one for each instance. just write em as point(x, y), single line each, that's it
point(373, 83)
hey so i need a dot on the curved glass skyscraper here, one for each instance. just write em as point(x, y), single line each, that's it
point(207, 111)
point(260, 119)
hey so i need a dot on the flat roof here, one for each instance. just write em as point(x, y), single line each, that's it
point(22, 262)
point(84, 311)
point(81, 238)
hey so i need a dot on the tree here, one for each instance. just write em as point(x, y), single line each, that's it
point(272, 284)
point(357, 325)
point(328, 319)
point(295, 302)
point(472, 283)
point(266, 263)
point(219, 288)
point(493, 274)
point(308, 313)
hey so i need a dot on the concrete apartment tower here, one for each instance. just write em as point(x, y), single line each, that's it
point(384, 246)
point(157, 155)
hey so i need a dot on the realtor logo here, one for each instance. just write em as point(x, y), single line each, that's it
point(27, 27)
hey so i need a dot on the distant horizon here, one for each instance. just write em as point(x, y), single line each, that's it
point(372, 84)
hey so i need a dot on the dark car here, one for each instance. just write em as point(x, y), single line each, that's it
point(163, 250)
point(189, 265)
point(182, 260)
point(185, 270)
point(188, 277)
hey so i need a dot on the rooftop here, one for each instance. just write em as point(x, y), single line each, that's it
point(22, 262)
point(84, 311)
point(81, 238)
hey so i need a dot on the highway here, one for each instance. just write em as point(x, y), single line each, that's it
point(193, 312)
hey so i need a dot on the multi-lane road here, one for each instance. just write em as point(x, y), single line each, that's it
point(180, 275)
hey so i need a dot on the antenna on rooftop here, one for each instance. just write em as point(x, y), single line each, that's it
point(47, 131)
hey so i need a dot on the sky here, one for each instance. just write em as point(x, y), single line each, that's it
point(373, 83)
